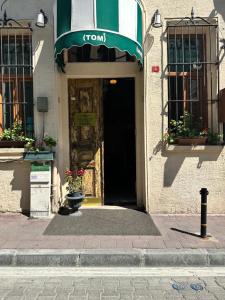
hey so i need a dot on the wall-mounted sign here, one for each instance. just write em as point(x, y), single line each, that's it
point(155, 69)
point(85, 119)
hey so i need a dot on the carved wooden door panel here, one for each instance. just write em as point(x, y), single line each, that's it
point(85, 133)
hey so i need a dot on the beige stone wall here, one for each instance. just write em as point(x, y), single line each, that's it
point(175, 176)
point(14, 181)
point(14, 175)
point(168, 181)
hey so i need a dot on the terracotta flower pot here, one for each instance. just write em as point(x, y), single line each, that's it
point(12, 144)
point(188, 141)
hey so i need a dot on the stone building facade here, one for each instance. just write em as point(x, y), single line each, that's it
point(174, 66)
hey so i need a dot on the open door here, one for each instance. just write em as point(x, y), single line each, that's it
point(119, 142)
point(86, 134)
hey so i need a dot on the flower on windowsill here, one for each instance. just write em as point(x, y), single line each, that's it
point(204, 132)
point(74, 180)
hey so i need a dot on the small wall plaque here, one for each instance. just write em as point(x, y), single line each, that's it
point(42, 104)
point(155, 69)
point(85, 119)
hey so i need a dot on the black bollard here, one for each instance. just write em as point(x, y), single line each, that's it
point(204, 193)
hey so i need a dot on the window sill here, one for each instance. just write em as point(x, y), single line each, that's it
point(11, 154)
point(195, 149)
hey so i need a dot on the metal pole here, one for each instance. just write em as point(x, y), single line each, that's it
point(204, 193)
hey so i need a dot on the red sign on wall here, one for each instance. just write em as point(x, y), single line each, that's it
point(155, 69)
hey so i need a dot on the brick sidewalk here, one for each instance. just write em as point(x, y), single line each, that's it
point(19, 232)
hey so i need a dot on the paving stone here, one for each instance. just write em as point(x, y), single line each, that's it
point(125, 283)
point(17, 292)
point(140, 285)
point(94, 297)
point(110, 285)
point(78, 297)
point(79, 292)
point(219, 295)
point(108, 289)
point(48, 292)
point(157, 293)
point(142, 297)
point(126, 295)
point(33, 291)
point(125, 290)
point(190, 297)
point(45, 298)
point(30, 297)
point(92, 289)
point(95, 282)
point(62, 297)
point(63, 290)
point(13, 298)
point(4, 292)
point(49, 285)
point(110, 294)
point(110, 298)
point(109, 280)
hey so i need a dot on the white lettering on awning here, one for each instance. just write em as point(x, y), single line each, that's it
point(94, 37)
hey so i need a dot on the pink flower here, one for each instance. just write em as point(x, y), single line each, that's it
point(80, 172)
point(69, 173)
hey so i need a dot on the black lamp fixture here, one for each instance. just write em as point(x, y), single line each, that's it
point(156, 20)
point(42, 19)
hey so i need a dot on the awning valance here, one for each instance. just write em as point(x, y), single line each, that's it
point(114, 23)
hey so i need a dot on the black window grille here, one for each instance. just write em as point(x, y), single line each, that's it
point(193, 71)
point(16, 78)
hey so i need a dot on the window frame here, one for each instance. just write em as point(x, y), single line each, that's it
point(201, 28)
point(19, 103)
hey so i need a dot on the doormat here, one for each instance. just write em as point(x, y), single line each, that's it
point(103, 222)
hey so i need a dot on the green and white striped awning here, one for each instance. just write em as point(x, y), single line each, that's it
point(114, 23)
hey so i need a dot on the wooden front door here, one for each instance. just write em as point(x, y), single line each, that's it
point(86, 134)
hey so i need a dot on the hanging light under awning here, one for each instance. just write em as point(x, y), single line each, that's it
point(115, 24)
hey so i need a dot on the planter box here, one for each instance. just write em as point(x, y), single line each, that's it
point(191, 141)
point(12, 144)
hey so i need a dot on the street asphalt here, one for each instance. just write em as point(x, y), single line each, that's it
point(112, 284)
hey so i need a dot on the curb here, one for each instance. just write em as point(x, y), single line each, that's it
point(113, 258)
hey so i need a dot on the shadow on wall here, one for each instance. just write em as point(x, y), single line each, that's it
point(219, 9)
point(175, 161)
point(176, 158)
point(21, 184)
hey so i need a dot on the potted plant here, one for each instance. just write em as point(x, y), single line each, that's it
point(41, 145)
point(187, 132)
point(14, 137)
point(75, 196)
point(49, 141)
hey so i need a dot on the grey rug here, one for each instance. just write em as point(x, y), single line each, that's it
point(103, 222)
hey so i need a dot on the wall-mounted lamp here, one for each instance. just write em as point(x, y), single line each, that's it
point(42, 19)
point(113, 81)
point(222, 41)
point(156, 20)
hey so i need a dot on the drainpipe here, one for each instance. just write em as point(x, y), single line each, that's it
point(146, 190)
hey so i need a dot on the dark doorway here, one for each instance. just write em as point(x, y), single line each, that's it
point(119, 142)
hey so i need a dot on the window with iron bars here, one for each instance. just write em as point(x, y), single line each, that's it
point(193, 73)
point(16, 79)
